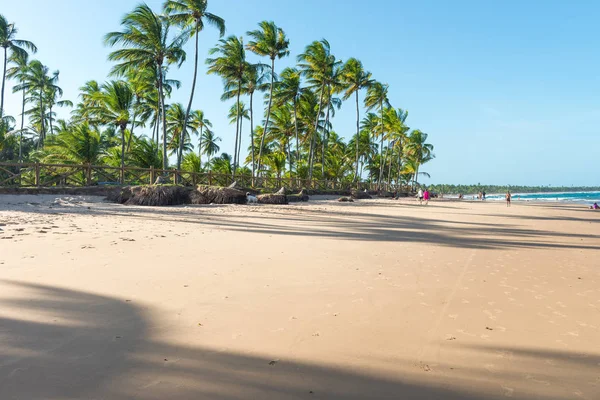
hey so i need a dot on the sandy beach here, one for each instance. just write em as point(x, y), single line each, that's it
point(376, 299)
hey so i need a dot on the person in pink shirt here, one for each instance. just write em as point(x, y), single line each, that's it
point(426, 196)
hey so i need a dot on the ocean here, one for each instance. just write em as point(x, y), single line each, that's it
point(571, 197)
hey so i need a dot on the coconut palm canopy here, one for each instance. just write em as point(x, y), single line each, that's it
point(130, 119)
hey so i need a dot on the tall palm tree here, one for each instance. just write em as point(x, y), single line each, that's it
point(115, 104)
point(53, 95)
point(377, 96)
point(289, 90)
point(147, 45)
point(355, 78)
point(20, 62)
point(317, 64)
point(268, 41)
point(254, 79)
point(38, 83)
point(204, 124)
point(231, 66)
point(192, 16)
point(8, 41)
point(237, 114)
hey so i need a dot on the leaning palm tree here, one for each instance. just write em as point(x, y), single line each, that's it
point(268, 41)
point(192, 16)
point(115, 103)
point(355, 78)
point(20, 62)
point(231, 66)
point(8, 41)
point(147, 45)
point(377, 96)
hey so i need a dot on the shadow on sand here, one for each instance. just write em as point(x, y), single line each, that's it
point(66, 344)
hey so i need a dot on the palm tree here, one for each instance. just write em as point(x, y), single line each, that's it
point(8, 31)
point(53, 94)
point(282, 129)
point(38, 84)
point(237, 113)
point(268, 41)
point(209, 143)
point(177, 123)
point(377, 96)
point(74, 144)
point(149, 46)
point(254, 79)
point(317, 64)
point(191, 15)
point(20, 60)
point(204, 124)
point(231, 66)
point(355, 78)
point(289, 89)
point(418, 150)
point(115, 104)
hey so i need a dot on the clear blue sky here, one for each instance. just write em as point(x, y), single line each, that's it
point(509, 91)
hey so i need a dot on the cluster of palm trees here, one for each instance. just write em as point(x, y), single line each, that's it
point(128, 119)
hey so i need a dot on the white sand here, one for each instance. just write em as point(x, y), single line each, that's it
point(370, 300)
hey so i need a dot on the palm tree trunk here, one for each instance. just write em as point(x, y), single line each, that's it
point(237, 128)
point(161, 96)
point(51, 127)
point(123, 127)
point(310, 169)
point(265, 131)
point(22, 127)
point(131, 130)
point(3, 82)
point(289, 151)
point(189, 107)
point(389, 180)
point(43, 133)
point(381, 159)
point(399, 167)
point(240, 144)
point(357, 136)
point(200, 146)
point(325, 137)
point(252, 134)
point(297, 140)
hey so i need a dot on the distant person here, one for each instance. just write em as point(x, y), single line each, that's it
point(595, 207)
point(483, 198)
point(426, 196)
point(420, 196)
point(508, 197)
point(460, 196)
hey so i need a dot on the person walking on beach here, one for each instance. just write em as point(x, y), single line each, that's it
point(508, 196)
point(426, 196)
point(420, 196)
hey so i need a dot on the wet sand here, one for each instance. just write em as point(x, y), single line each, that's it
point(376, 299)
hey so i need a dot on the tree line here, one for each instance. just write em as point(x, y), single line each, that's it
point(128, 120)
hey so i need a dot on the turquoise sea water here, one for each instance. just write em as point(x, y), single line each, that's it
point(572, 197)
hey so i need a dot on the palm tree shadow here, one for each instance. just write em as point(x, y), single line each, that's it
point(68, 344)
